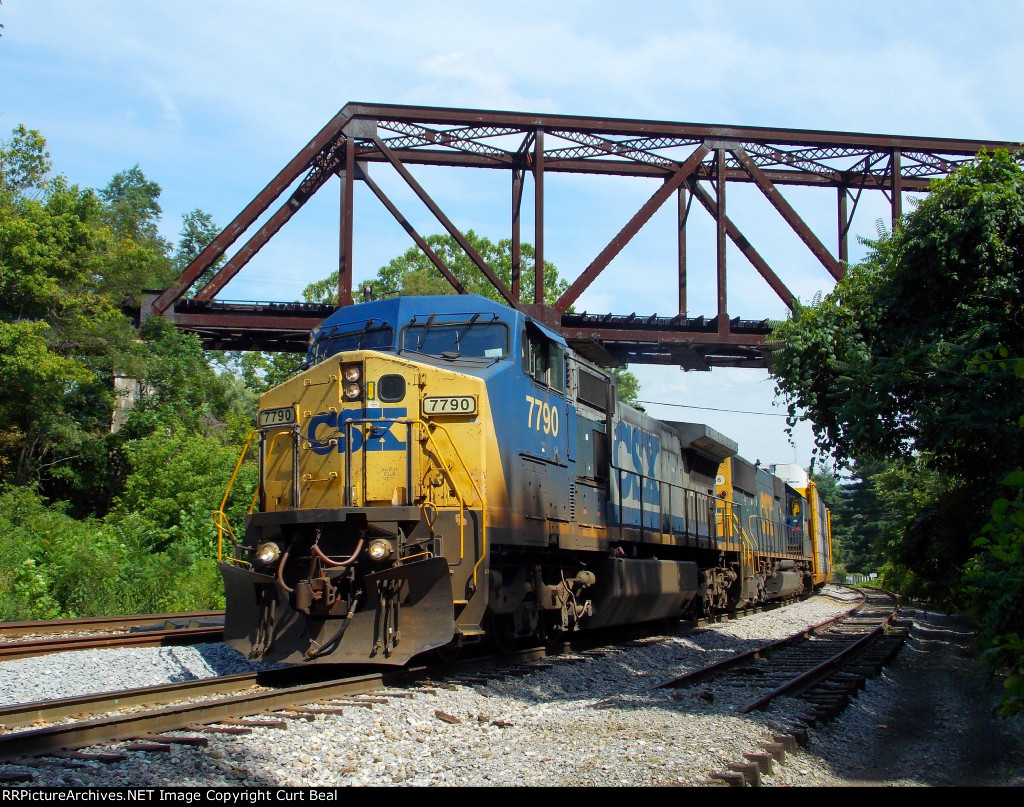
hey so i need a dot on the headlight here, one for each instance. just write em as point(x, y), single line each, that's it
point(352, 379)
point(379, 549)
point(268, 552)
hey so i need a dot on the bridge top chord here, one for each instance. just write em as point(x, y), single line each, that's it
point(695, 162)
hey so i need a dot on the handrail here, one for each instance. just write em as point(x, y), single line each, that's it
point(700, 502)
point(749, 544)
point(219, 516)
point(731, 520)
point(427, 426)
point(266, 461)
point(753, 550)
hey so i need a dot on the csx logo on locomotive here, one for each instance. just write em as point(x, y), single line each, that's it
point(326, 430)
point(634, 445)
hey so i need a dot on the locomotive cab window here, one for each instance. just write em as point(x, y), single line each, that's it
point(543, 360)
point(457, 336)
point(372, 336)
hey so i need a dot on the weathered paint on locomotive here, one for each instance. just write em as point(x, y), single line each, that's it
point(503, 487)
point(809, 514)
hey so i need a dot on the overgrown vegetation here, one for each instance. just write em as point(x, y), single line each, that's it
point(95, 521)
point(100, 520)
point(913, 370)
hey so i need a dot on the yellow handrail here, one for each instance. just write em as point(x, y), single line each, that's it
point(749, 545)
point(427, 425)
point(731, 525)
point(220, 518)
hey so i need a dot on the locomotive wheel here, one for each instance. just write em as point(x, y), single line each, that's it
point(449, 653)
point(501, 630)
point(554, 638)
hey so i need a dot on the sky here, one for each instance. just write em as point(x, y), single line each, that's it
point(212, 98)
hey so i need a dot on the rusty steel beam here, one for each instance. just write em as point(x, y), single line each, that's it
point(682, 214)
point(346, 234)
point(538, 215)
point(669, 336)
point(629, 127)
point(248, 251)
point(747, 249)
point(516, 248)
point(720, 235)
point(474, 256)
point(682, 156)
point(877, 180)
point(632, 227)
point(273, 327)
point(790, 215)
point(421, 242)
point(252, 211)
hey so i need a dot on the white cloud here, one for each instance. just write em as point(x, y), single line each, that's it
point(213, 99)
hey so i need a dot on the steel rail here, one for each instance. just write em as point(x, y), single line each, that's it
point(148, 638)
point(98, 623)
point(187, 716)
point(818, 673)
point(29, 714)
point(758, 652)
point(276, 692)
point(835, 662)
point(829, 675)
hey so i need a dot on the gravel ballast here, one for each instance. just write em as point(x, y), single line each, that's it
point(584, 721)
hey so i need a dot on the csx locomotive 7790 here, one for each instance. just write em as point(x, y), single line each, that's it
point(446, 470)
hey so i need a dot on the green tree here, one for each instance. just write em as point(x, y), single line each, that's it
point(995, 582)
point(258, 371)
point(131, 211)
point(628, 385)
point(414, 273)
point(93, 521)
point(994, 577)
point(859, 522)
point(197, 231)
point(132, 205)
point(24, 161)
point(886, 364)
point(912, 362)
point(263, 371)
point(61, 333)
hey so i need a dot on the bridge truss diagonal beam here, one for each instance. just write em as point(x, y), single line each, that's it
point(685, 158)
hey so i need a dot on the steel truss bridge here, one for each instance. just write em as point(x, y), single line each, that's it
point(690, 162)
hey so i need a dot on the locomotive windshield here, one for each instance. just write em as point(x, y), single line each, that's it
point(372, 336)
point(472, 338)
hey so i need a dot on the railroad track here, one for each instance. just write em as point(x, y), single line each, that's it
point(107, 632)
point(109, 624)
point(253, 698)
point(822, 668)
point(154, 718)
